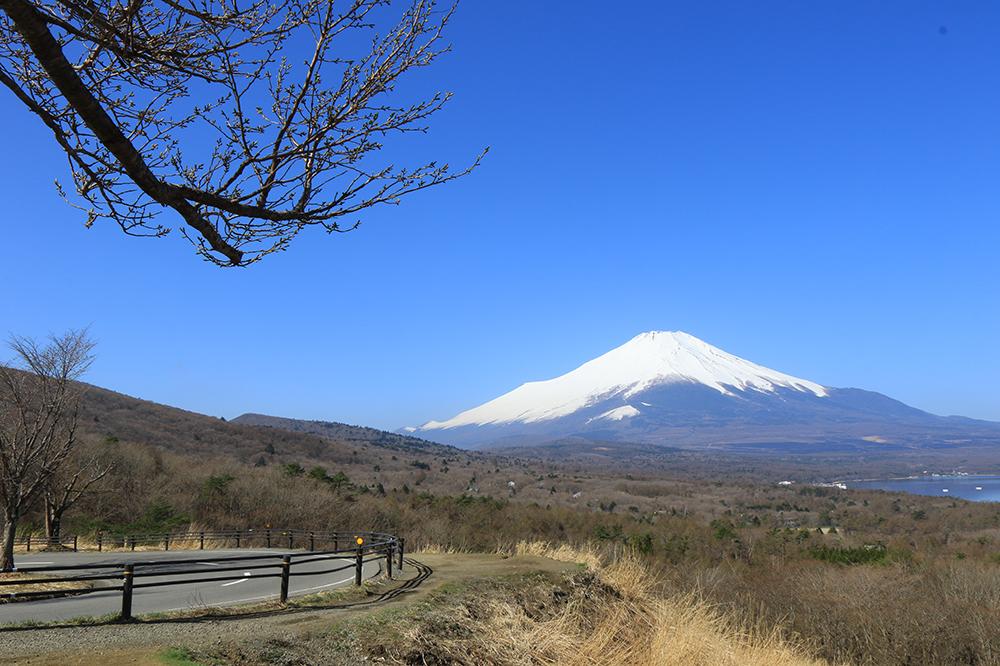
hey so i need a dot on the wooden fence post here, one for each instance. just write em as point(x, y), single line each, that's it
point(286, 570)
point(401, 540)
point(268, 537)
point(127, 576)
point(201, 540)
point(166, 542)
point(312, 542)
point(75, 542)
point(27, 543)
point(237, 538)
point(388, 560)
point(358, 563)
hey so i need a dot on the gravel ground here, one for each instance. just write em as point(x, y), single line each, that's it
point(93, 644)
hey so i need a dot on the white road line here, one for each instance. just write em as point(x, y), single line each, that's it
point(247, 600)
point(319, 587)
point(246, 575)
point(211, 564)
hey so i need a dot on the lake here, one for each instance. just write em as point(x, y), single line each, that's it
point(957, 486)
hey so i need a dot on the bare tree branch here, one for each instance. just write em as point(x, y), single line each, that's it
point(72, 481)
point(131, 90)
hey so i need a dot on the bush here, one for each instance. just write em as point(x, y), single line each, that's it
point(871, 554)
point(293, 469)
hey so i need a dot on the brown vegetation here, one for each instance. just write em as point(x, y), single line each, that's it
point(859, 576)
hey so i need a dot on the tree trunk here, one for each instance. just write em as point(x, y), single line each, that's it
point(53, 523)
point(48, 519)
point(7, 554)
point(53, 530)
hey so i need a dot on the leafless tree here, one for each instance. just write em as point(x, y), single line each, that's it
point(39, 405)
point(77, 476)
point(251, 121)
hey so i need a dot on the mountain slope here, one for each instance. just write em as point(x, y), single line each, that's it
point(348, 434)
point(670, 388)
point(250, 439)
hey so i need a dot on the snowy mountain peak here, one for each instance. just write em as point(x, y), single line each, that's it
point(647, 360)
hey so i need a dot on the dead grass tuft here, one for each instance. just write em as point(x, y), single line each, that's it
point(437, 549)
point(587, 554)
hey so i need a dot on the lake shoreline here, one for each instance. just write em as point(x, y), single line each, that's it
point(971, 487)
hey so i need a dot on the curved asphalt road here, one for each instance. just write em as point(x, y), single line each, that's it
point(247, 586)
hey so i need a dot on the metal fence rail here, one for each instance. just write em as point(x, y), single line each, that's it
point(361, 546)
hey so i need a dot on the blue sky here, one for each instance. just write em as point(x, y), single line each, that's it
point(812, 186)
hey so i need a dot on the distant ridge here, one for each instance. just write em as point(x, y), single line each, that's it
point(343, 432)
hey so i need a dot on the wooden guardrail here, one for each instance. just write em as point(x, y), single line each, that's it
point(68, 541)
point(360, 547)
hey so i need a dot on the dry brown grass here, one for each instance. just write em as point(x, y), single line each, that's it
point(38, 587)
point(436, 549)
point(908, 613)
point(587, 554)
point(641, 626)
point(615, 613)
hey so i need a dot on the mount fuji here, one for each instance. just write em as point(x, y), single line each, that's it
point(672, 389)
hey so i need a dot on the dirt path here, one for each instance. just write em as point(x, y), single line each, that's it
point(144, 643)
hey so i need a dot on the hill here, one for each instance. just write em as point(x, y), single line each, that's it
point(252, 439)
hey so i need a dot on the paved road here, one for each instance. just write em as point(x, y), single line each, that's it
point(248, 587)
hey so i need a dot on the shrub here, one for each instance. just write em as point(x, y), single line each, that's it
point(293, 469)
point(862, 555)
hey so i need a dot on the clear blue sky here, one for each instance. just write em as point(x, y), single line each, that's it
point(814, 186)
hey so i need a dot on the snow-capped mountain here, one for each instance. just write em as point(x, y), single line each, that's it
point(673, 389)
point(644, 362)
